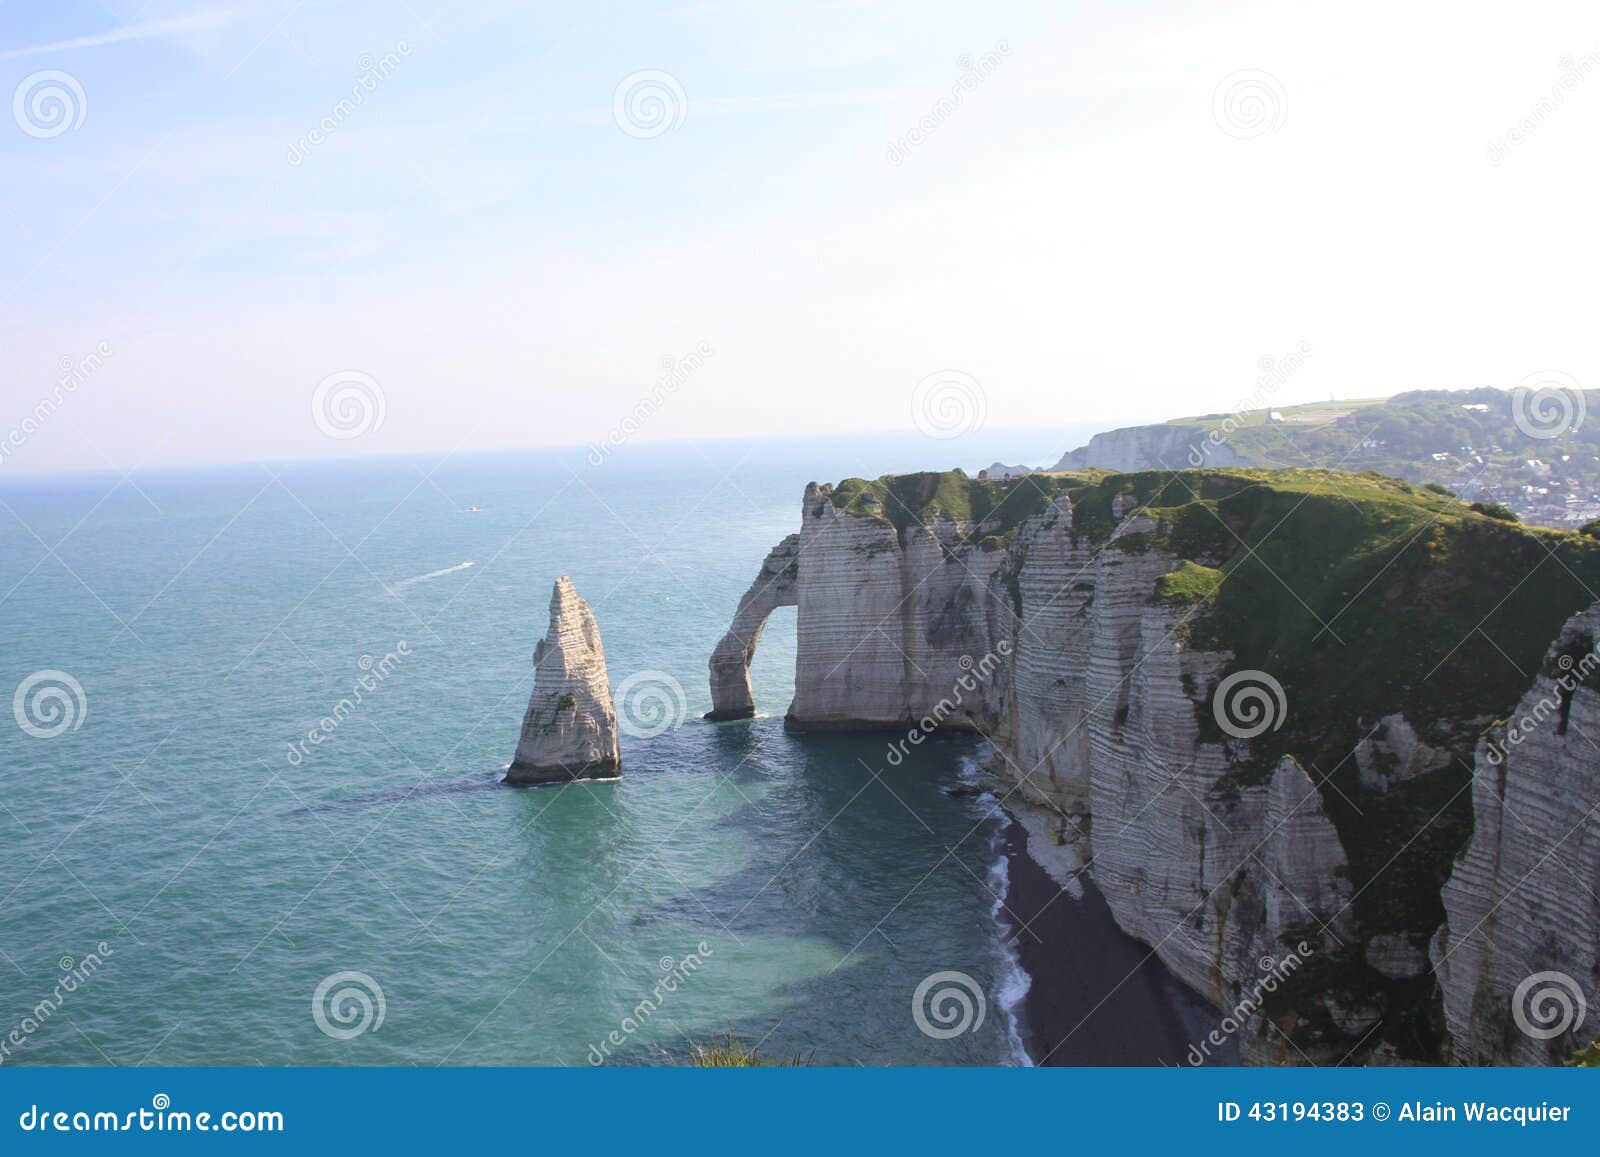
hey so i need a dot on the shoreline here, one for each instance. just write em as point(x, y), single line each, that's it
point(1095, 995)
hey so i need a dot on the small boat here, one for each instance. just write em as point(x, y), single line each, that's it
point(473, 509)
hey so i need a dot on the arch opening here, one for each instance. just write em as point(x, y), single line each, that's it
point(777, 585)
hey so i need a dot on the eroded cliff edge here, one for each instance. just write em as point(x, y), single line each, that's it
point(1362, 637)
point(1516, 957)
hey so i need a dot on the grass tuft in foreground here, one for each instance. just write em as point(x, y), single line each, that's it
point(729, 1051)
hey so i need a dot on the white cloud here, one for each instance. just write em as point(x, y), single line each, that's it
point(203, 20)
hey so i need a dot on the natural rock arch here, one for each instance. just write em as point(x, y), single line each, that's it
point(776, 586)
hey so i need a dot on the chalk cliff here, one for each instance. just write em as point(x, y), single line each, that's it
point(570, 728)
point(1165, 447)
point(867, 656)
point(1197, 680)
point(1517, 956)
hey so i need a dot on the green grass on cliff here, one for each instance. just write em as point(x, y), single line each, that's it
point(1190, 583)
point(1401, 435)
point(1363, 596)
point(998, 506)
point(1308, 414)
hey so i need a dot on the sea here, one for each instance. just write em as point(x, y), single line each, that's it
point(250, 809)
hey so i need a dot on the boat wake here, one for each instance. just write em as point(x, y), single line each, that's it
point(432, 574)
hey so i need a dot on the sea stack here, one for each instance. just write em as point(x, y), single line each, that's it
point(570, 729)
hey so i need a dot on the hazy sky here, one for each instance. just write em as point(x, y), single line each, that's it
point(1127, 209)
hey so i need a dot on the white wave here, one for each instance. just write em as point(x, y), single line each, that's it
point(433, 574)
point(1013, 981)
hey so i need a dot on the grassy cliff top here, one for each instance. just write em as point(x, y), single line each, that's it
point(1407, 428)
point(1362, 595)
point(996, 506)
point(1371, 587)
point(1305, 414)
point(1463, 439)
point(1001, 505)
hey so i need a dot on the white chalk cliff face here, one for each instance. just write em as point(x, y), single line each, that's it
point(1084, 695)
point(570, 728)
point(1148, 448)
point(1096, 704)
point(1521, 906)
point(866, 655)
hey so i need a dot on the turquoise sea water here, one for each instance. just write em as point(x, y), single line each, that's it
point(213, 617)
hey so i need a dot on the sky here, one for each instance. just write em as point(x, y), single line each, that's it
point(821, 216)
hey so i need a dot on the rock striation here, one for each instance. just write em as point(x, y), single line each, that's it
point(1516, 958)
point(867, 655)
point(570, 728)
point(1090, 702)
point(1067, 621)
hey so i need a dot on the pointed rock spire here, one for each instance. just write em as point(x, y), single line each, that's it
point(570, 729)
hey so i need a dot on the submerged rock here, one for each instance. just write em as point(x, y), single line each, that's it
point(570, 729)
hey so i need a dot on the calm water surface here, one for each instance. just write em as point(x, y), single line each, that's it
point(213, 617)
